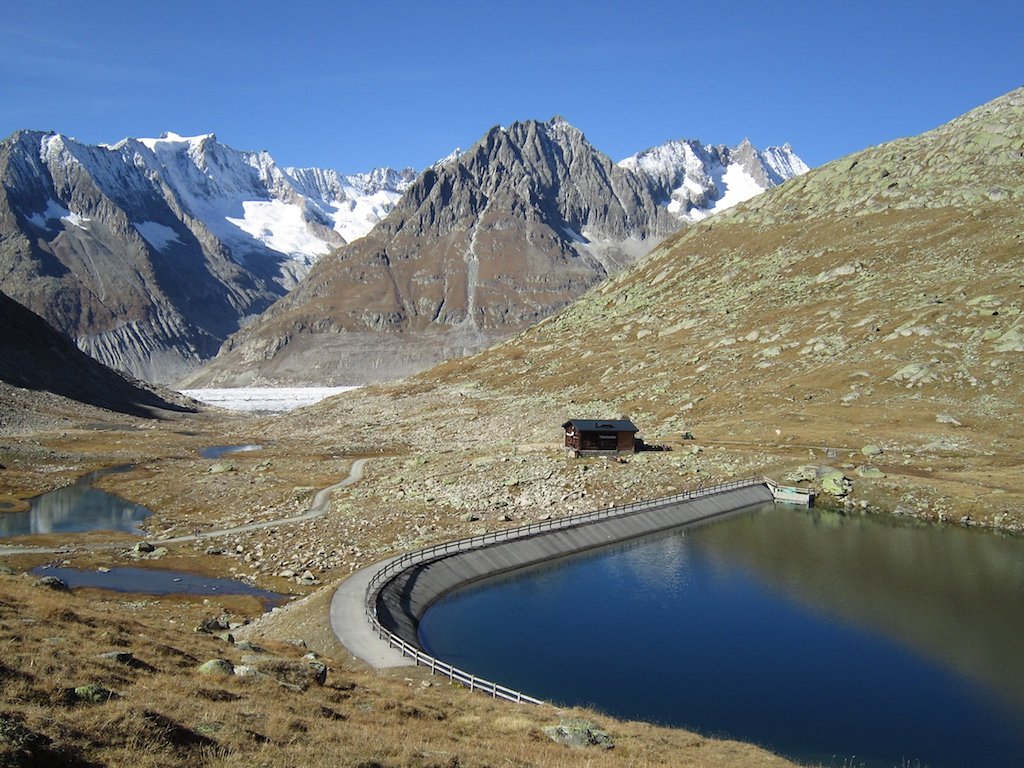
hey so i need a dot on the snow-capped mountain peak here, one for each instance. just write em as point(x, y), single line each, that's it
point(694, 180)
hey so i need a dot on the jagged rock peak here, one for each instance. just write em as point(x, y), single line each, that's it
point(694, 180)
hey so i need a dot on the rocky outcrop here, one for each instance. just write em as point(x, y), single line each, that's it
point(484, 244)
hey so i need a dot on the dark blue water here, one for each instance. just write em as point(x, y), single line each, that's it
point(153, 581)
point(831, 639)
point(76, 509)
point(216, 451)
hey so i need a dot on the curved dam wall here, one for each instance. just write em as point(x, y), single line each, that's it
point(404, 600)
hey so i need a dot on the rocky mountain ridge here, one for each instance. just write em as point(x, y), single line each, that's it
point(150, 251)
point(485, 243)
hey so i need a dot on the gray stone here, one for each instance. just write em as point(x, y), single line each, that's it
point(871, 450)
point(213, 624)
point(835, 483)
point(52, 582)
point(93, 694)
point(870, 473)
point(217, 667)
point(221, 467)
point(121, 657)
point(143, 547)
point(579, 733)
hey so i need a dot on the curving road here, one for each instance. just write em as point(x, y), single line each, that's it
point(317, 508)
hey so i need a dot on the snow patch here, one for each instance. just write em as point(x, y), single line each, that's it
point(279, 226)
point(76, 219)
point(273, 399)
point(173, 138)
point(357, 214)
point(53, 211)
point(158, 235)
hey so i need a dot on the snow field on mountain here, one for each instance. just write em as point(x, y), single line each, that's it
point(157, 235)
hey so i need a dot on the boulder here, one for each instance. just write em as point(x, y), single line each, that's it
point(143, 547)
point(52, 582)
point(871, 450)
point(93, 694)
point(294, 675)
point(835, 483)
point(870, 473)
point(121, 657)
point(213, 624)
point(217, 667)
point(580, 734)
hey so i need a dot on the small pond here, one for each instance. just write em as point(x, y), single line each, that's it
point(76, 508)
point(152, 581)
point(839, 640)
point(216, 451)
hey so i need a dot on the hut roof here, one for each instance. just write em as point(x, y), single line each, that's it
point(601, 425)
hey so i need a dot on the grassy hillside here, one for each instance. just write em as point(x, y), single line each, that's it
point(873, 302)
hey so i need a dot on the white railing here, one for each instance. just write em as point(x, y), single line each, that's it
point(438, 551)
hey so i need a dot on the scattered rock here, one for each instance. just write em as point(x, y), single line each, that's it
point(52, 582)
point(945, 418)
point(293, 675)
point(870, 473)
point(217, 667)
point(835, 483)
point(121, 657)
point(213, 624)
point(143, 547)
point(871, 450)
point(915, 374)
point(579, 733)
point(221, 467)
point(93, 694)
point(469, 517)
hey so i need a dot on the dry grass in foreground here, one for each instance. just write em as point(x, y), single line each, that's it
point(157, 709)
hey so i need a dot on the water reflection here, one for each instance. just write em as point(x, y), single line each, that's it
point(821, 636)
point(216, 451)
point(75, 509)
point(153, 581)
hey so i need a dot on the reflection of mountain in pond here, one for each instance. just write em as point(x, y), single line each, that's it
point(76, 509)
point(953, 593)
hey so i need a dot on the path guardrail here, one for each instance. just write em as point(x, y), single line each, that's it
point(438, 551)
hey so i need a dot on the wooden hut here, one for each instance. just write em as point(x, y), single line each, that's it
point(590, 437)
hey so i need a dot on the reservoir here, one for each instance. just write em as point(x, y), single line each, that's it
point(856, 640)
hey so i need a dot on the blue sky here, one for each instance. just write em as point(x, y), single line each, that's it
point(353, 85)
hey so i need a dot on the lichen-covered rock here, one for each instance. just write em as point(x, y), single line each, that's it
point(579, 733)
point(217, 667)
point(93, 694)
point(835, 483)
point(871, 450)
point(870, 473)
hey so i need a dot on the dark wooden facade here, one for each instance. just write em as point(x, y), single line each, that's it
point(593, 436)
